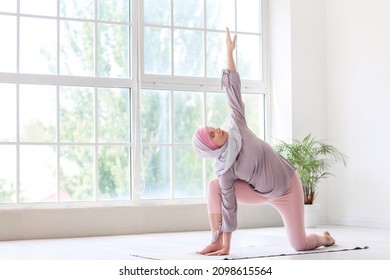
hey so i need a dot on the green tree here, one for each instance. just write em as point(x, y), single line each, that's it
point(155, 123)
point(77, 120)
point(6, 194)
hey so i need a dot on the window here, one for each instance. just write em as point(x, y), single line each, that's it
point(65, 93)
point(96, 106)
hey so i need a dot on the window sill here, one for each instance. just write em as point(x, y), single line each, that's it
point(101, 204)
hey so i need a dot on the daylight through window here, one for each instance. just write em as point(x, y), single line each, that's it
point(99, 98)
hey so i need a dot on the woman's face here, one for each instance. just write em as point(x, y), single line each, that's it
point(217, 135)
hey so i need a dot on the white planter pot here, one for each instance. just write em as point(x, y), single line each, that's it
point(312, 215)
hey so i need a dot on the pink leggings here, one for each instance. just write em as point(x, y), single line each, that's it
point(290, 206)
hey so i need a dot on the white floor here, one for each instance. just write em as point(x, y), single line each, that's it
point(120, 247)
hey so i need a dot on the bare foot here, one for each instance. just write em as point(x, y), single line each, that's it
point(329, 239)
point(213, 247)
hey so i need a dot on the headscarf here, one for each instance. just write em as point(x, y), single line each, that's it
point(226, 155)
point(200, 147)
point(203, 135)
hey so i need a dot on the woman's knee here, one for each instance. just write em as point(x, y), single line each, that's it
point(299, 247)
point(308, 242)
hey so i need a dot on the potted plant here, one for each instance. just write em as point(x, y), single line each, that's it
point(313, 160)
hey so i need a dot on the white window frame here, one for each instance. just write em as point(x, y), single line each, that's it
point(180, 83)
point(58, 80)
point(137, 81)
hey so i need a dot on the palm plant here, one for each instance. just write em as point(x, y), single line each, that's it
point(313, 160)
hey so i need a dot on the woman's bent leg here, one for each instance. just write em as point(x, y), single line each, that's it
point(244, 194)
point(214, 201)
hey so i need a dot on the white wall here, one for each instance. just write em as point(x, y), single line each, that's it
point(298, 64)
point(308, 89)
point(298, 67)
point(280, 69)
point(358, 97)
point(340, 91)
point(308, 68)
point(35, 223)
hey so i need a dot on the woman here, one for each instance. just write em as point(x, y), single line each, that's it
point(250, 172)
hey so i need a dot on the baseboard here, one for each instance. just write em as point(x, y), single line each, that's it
point(356, 222)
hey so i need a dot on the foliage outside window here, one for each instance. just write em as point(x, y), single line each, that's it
point(76, 77)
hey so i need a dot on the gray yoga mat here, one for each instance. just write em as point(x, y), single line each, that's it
point(250, 252)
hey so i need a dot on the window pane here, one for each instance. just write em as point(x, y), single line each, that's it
point(7, 112)
point(217, 109)
point(39, 7)
point(114, 173)
point(188, 53)
point(38, 46)
point(7, 174)
point(156, 172)
point(113, 115)
point(220, 14)
point(157, 12)
point(155, 116)
point(77, 48)
point(254, 111)
point(37, 124)
point(8, 44)
point(188, 179)
point(77, 9)
point(77, 173)
point(113, 51)
point(38, 173)
point(216, 59)
point(157, 51)
point(187, 115)
point(8, 6)
point(189, 13)
point(76, 114)
point(249, 54)
point(210, 173)
point(248, 15)
point(114, 10)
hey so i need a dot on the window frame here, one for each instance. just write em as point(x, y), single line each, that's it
point(136, 82)
point(201, 84)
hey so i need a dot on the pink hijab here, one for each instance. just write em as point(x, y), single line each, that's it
point(204, 137)
point(202, 144)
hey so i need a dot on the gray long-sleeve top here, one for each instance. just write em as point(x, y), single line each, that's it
point(257, 163)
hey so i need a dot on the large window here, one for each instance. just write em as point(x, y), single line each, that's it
point(99, 98)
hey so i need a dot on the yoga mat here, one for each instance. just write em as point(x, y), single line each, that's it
point(250, 252)
point(331, 249)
